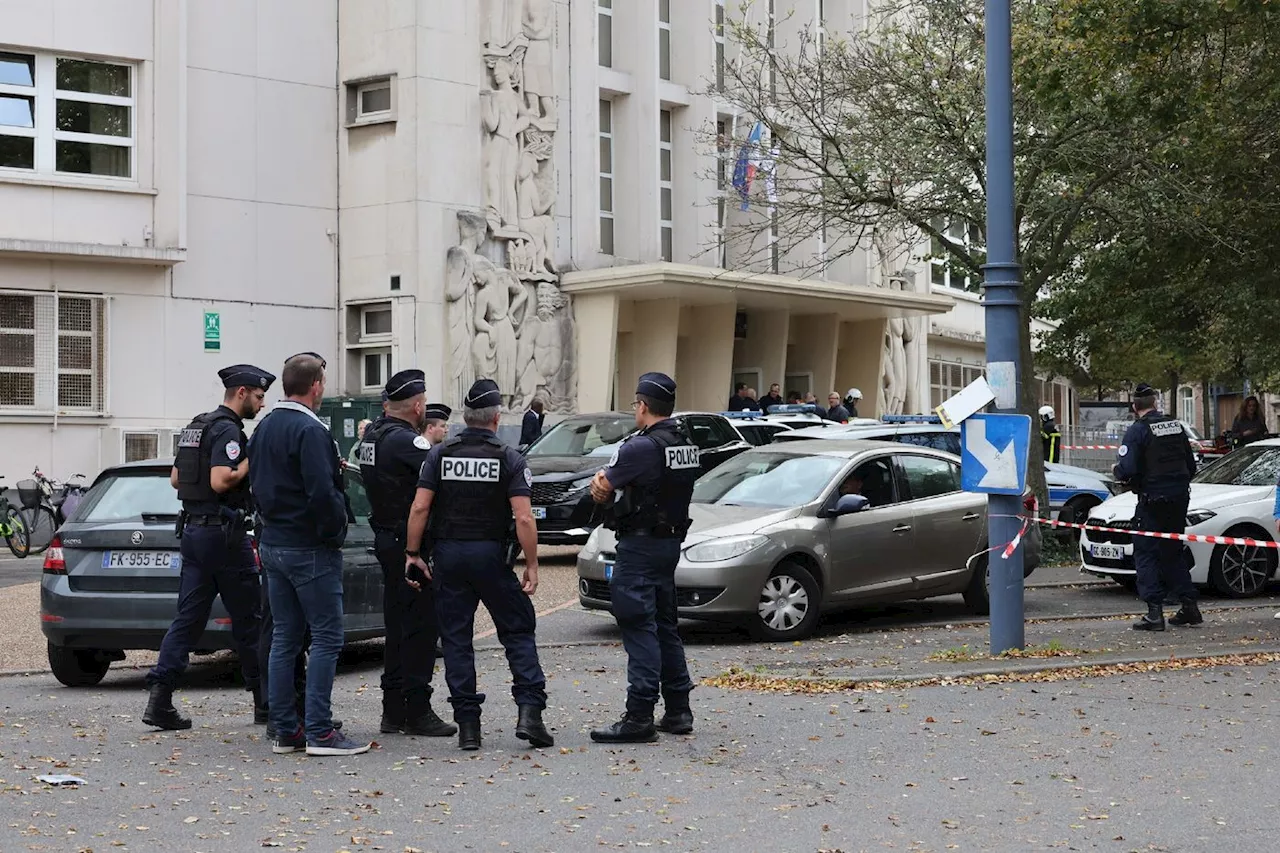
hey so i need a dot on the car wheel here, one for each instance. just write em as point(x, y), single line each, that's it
point(1076, 511)
point(1241, 571)
point(77, 667)
point(789, 604)
point(977, 597)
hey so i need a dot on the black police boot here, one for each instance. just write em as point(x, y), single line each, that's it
point(160, 712)
point(469, 734)
point(677, 717)
point(421, 719)
point(1189, 614)
point(261, 711)
point(529, 727)
point(632, 728)
point(393, 712)
point(1153, 621)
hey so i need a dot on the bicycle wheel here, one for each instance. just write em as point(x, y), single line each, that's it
point(17, 535)
point(40, 525)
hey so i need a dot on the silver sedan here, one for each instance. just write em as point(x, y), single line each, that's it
point(785, 532)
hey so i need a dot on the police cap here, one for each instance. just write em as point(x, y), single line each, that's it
point(659, 386)
point(1144, 390)
point(437, 412)
point(245, 375)
point(405, 385)
point(484, 394)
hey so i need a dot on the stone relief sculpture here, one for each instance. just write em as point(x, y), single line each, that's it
point(507, 317)
point(904, 339)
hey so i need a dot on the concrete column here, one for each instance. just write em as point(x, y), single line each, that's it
point(859, 362)
point(765, 347)
point(655, 336)
point(635, 132)
point(704, 362)
point(596, 316)
point(814, 339)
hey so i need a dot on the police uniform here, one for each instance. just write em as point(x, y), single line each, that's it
point(217, 557)
point(655, 470)
point(391, 454)
point(1156, 460)
point(472, 478)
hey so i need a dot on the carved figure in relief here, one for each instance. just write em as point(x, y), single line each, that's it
point(535, 197)
point(500, 303)
point(539, 92)
point(541, 353)
point(504, 119)
point(503, 21)
point(461, 264)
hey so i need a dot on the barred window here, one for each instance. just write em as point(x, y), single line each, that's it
point(141, 445)
point(52, 353)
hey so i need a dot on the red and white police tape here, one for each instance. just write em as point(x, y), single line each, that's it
point(1006, 550)
point(1090, 447)
point(1150, 534)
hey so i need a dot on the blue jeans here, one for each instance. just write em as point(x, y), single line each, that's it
point(305, 589)
point(643, 591)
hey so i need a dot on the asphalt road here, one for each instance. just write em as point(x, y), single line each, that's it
point(14, 571)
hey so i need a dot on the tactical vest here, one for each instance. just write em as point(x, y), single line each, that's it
point(471, 496)
point(661, 508)
point(389, 480)
point(195, 458)
point(1165, 458)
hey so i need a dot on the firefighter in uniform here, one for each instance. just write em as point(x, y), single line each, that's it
point(655, 469)
point(210, 473)
point(470, 489)
point(1157, 462)
point(391, 455)
point(1050, 435)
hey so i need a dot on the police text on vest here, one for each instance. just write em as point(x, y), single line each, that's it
point(367, 453)
point(190, 437)
point(471, 470)
point(1162, 429)
point(682, 457)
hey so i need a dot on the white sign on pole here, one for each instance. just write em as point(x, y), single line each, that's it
point(971, 399)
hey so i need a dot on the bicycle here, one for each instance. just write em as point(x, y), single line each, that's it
point(42, 501)
point(12, 528)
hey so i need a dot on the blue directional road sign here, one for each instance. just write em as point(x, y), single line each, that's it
point(993, 455)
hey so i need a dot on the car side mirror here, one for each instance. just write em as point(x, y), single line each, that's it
point(848, 505)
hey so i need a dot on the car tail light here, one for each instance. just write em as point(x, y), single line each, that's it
point(54, 562)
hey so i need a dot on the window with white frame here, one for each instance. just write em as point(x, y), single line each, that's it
point(944, 270)
point(606, 177)
point(665, 202)
point(604, 32)
point(946, 379)
point(375, 321)
point(371, 101)
point(1187, 405)
point(375, 99)
point(64, 115)
point(375, 368)
point(771, 39)
point(719, 45)
point(664, 39)
point(724, 147)
point(52, 353)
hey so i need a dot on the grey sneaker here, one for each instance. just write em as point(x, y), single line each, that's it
point(291, 743)
point(336, 743)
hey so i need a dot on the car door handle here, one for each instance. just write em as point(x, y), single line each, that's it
point(971, 516)
point(902, 528)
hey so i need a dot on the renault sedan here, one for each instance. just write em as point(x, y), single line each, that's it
point(786, 532)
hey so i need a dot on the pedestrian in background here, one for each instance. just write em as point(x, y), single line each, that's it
point(1050, 435)
point(773, 398)
point(738, 401)
point(298, 487)
point(851, 401)
point(1249, 424)
point(391, 456)
point(655, 468)
point(472, 490)
point(835, 411)
point(210, 473)
point(1156, 460)
point(531, 426)
point(353, 454)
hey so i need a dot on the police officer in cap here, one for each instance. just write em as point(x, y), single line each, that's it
point(211, 474)
point(655, 468)
point(437, 423)
point(1157, 462)
point(470, 489)
point(391, 455)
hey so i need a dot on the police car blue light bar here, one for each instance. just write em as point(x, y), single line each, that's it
point(745, 415)
point(796, 409)
point(911, 419)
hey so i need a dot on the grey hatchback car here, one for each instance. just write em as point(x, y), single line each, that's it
point(110, 577)
point(785, 532)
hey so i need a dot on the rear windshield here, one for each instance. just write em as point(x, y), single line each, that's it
point(121, 497)
point(1248, 466)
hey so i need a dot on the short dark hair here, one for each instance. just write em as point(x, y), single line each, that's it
point(661, 408)
point(739, 387)
point(794, 395)
point(1146, 401)
point(537, 405)
point(300, 373)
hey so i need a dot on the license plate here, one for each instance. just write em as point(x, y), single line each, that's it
point(539, 513)
point(608, 571)
point(141, 560)
point(1107, 552)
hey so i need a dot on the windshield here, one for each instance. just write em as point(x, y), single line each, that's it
point(582, 436)
point(768, 480)
point(122, 497)
point(1248, 466)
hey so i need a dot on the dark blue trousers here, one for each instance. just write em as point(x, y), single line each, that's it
point(643, 592)
point(265, 634)
point(410, 655)
point(465, 574)
point(1163, 565)
point(211, 568)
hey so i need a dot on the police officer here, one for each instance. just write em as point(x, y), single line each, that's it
point(470, 488)
point(1050, 435)
point(391, 455)
point(1157, 462)
point(655, 468)
point(436, 429)
point(210, 473)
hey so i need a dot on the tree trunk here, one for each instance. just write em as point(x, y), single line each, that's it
point(1174, 382)
point(1029, 404)
point(1205, 400)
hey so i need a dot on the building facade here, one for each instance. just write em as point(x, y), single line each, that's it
point(520, 189)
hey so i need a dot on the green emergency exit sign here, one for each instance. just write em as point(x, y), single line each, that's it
point(212, 331)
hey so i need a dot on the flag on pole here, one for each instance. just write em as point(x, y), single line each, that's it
point(745, 169)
